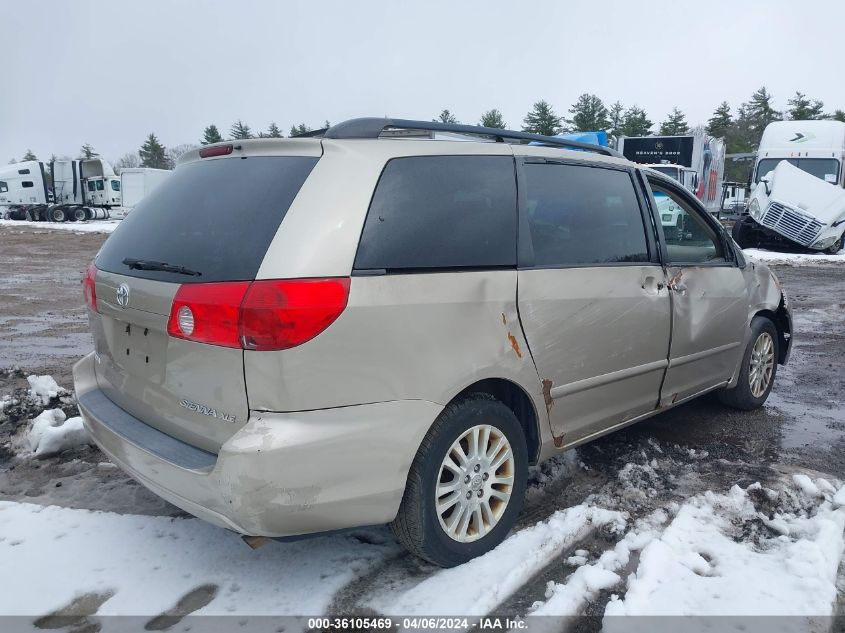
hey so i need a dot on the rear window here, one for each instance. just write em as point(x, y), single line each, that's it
point(216, 217)
point(441, 212)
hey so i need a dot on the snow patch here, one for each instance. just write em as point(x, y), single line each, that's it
point(792, 259)
point(51, 433)
point(150, 563)
point(92, 226)
point(477, 587)
point(711, 560)
point(44, 388)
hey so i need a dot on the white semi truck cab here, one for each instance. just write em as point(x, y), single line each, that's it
point(798, 197)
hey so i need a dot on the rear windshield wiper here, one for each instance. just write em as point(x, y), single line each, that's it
point(146, 264)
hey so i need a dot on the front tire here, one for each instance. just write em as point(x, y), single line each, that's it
point(466, 485)
point(835, 247)
point(759, 368)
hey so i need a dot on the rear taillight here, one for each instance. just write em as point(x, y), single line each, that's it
point(89, 288)
point(261, 315)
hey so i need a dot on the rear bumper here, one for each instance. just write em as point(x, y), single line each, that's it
point(282, 474)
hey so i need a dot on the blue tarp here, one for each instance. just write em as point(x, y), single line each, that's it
point(593, 138)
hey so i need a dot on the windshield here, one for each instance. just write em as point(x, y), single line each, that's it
point(215, 217)
point(818, 167)
point(672, 172)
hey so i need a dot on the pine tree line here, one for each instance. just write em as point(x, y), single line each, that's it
point(741, 128)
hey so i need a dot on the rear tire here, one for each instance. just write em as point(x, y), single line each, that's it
point(57, 215)
point(759, 368)
point(79, 214)
point(454, 505)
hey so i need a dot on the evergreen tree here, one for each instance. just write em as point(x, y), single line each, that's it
point(588, 114)
point(839, 115)
point(759, 112)
point(273, 131)
point(153, 154)
point(493, 118)
point(446, 117)
point(721, 121)
point(675, 124)
point(615, 117)
point(804, 109)
point(296, 130)
point(29, 155)
point(326, 124)
point(240, 131)
point(211, 135)
point(86, 151)
point(542, 120)
point(635, 122)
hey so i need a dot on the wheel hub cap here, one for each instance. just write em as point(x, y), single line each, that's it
point(475, 483)
point(761, 365)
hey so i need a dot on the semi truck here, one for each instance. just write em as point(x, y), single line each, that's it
point(696, 160)
point(75, 190)
point(138, 182)
point(798, 199)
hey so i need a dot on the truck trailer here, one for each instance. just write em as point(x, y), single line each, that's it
point(80, 189)
point(695, 160)
point(138, 182)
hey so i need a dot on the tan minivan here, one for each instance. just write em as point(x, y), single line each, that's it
point(377, 325)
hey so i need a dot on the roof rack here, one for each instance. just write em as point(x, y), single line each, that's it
point(372, 127)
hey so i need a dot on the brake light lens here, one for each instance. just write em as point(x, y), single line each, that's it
point(260, 315)
point(89, 288)
point(216, 150)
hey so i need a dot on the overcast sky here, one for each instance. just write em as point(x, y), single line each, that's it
point(109, 73)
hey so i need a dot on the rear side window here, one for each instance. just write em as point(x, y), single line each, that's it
point(27, 184)
point(581, 215)
point(441, 212)
point(216, 217)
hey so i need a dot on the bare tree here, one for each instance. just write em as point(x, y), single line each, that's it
point(127, 161)
point(173, 153)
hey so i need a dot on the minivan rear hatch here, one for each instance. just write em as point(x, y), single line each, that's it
point(210, 223)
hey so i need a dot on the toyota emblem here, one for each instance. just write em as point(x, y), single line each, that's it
point(123, 295)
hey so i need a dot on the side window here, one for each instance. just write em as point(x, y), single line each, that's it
point(115, 185)
point(583, 215)
point(4, 187)
point(100, 185)
point(23, 172)
point(90, 185)
point(689, 239)
point(26, 184)
point(432, 212)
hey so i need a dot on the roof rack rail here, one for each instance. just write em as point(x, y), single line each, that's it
point(372, 127)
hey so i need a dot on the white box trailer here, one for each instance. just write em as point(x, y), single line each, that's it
point(81, 189)
point(695, 160)
point(138, 182)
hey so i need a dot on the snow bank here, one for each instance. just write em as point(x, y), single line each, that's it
point(792, 259)
point(44, 388)
point(51, 433)
point(720, 555)
point(150, 563)
point(477, 587)
point(91, 226)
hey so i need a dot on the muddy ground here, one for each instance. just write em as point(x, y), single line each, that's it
point(697, 446)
